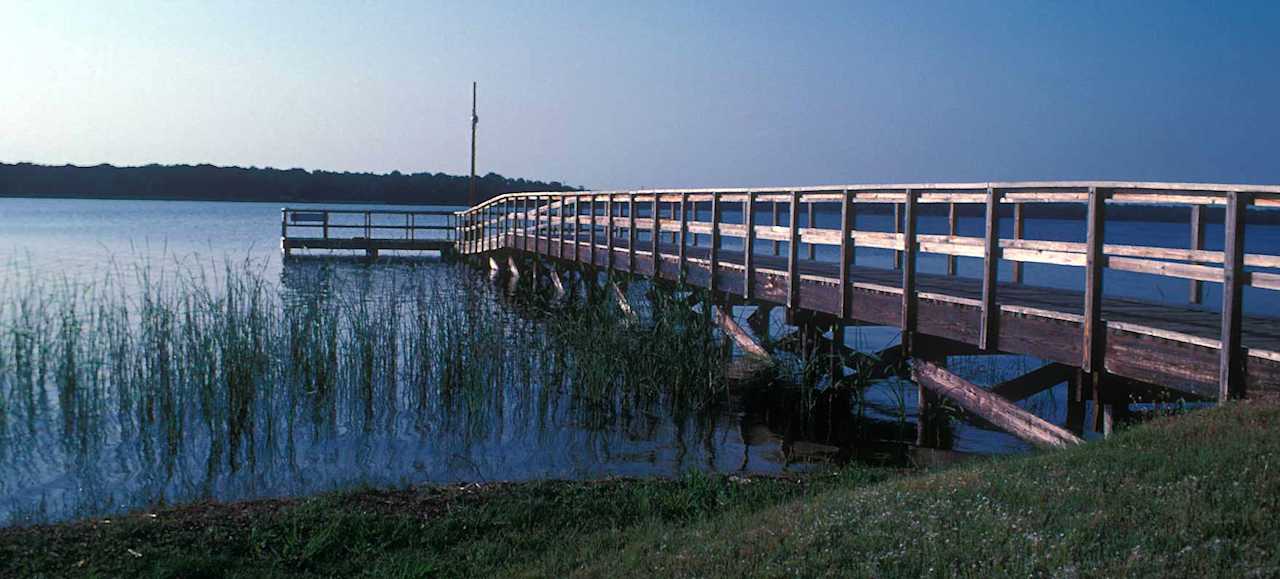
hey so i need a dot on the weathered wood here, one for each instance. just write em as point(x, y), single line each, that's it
point(992, 408)
point(557, 283)
point(591, 237)
point(730, 327)
point(987, 336)
point(953, 221)
point(656, 235)
point(1033, 382)
point(713, 254)
point(1231, 365)
point(793, 253)
point(684, 235)
point(749, 244)
point(846, 251)
point(812, 224)
point(1197, 243)
point(774, 223)
point(897, 228)
point(623, 303)
point(1093, 336)
point(1016, 266)
point(909, 296)
point(631, 233)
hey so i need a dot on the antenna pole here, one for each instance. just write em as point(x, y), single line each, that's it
point(471, 196)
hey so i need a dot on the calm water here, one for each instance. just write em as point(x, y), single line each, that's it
point(52, 469)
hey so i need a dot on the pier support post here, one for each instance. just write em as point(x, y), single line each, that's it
point(1075, 403)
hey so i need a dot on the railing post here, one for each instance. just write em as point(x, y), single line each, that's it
point(1231, 370)
point(897, 228)
point(657, 233)
point(952, 223)
point(846, 252)
point(793, 253)
point(284, 224)
point(990, 273)
point(631, 232)
point(1016, 266)
point(326, 225)
point(591, 238)
point(1094, 331)
point(562, 197)
point(1197, 244)
point(749, 244)
point(909, 301)
point(577, 227)
point(608, 231)
point(684, 234)
point(714, 250)
point(776, 245)
point(810, 211)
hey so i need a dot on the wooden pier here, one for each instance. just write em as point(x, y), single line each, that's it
point(364, 231)
point(1110, 350)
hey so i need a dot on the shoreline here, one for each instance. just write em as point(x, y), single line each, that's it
point(1159, 498)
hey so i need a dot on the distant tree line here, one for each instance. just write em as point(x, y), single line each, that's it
point(212, 183)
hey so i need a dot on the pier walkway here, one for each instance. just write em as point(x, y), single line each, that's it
point(766, 254)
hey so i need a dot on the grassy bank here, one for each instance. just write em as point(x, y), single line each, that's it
point(1183, 496)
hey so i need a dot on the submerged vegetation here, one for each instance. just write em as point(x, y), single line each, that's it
point(1166, 498)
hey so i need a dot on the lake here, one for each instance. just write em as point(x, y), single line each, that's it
point(84, 444)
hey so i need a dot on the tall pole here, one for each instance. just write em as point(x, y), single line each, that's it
point(471, 196)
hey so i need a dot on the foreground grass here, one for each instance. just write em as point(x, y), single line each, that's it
point(1187, 496)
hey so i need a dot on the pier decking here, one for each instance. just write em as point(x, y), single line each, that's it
point(1113, 342)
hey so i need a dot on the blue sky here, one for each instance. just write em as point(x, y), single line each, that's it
point(648, 94)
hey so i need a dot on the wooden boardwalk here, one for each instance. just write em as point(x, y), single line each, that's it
point(1114, 345)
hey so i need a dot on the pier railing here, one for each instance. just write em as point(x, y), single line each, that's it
point(370, 224)
point(650, 231)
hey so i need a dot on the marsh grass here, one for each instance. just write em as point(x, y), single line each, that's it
point(149, 368)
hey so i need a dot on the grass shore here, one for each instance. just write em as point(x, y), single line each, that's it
point(1195, 495)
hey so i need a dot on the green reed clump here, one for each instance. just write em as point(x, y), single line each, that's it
point(158, 367)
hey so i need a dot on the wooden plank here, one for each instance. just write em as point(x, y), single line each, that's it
point(988, 333)
point(749, 244)
point(730, 327)
point(1197, 243)
point(608, 231)
point(953, 221)
point(684, 234)
point(1231, 380)
point(846, 251)
point(811, 224)
point(1033, 382)
point(990, 407)
point(591, 237)
point(1166, 269)
point(714, 250)
point(1017, 234)
point(774, 223)
point(909, 297)
point(656, 233)
point(1093, 336)
point(793, 253)
point(623, 303)
point(631, 233)
point(897, 228)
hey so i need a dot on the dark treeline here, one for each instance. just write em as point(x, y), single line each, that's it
point(211, 183)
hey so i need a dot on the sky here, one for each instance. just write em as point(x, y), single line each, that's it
point(615, 95)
